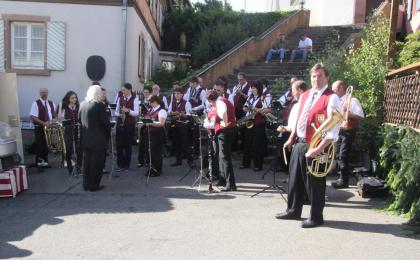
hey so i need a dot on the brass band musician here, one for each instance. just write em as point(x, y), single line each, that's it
point(70, 111)
point(127, 111)
point(42, 112)
point(254, 137)
point(315, 107)
point(354, 112)
point(178, 116)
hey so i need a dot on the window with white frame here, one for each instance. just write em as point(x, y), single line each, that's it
point(28, 45)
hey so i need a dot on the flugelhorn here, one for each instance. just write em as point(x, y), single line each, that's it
point(321, 165)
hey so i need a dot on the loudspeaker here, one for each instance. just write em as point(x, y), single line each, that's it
point(95, 67)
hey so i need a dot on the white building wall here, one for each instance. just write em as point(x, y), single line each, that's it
point(326, 12)
point(135, 28)
point(91, 30)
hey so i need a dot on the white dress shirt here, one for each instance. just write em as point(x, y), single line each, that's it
point(333, 102)
point(305, 43)
point(35, 111)
point(239, 88)
point(162, 112)
point(203, 97)
point(134, 112)
point(292, 120)
point(355, 107)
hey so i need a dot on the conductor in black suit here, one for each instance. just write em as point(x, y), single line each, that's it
point(95, 128)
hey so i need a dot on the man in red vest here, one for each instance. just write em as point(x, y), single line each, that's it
point(347, 133)
point(127, 111)
point(42, 112)
point(224, 129)
point(315, 106)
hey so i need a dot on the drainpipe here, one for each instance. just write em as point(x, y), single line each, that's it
point(123, 39)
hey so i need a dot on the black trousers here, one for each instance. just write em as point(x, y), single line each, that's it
point(299, 179)
point(225, 138)
point(156, 148)
point(180, 143)
point(213, 153)
point(344, 143)
point(41, 145)
point(255, 143)
point(124, 138)
point(69, 136)
point(92, 165)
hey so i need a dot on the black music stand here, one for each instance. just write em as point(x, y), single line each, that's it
point(199, 172)
point(148, 121)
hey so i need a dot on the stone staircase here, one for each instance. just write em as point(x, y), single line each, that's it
point(275, 71)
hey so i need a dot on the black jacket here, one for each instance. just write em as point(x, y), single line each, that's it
point(95, 126)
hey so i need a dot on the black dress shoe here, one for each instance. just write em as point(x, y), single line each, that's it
point(256, 169)
point(175, 164)
point(139, 165)
point(100, 187)
point(244, 167)
point(286, 215)
point(340, 184)
point(221, 182)
point(312, 223)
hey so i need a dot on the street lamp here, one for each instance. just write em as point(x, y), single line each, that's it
point(301, 3)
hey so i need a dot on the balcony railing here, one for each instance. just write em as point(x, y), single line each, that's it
point(402, 96)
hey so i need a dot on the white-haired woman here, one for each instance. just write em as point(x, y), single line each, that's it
point(95, 128)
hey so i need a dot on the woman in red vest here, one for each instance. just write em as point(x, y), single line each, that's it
point(155, 135)
point(70, 113)
point(225, 130)
point(254, 138)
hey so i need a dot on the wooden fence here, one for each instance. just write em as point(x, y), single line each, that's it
point(402, 97)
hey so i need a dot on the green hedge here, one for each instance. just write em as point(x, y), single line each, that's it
point(410, 50)
point(212, 29)
point(400, 159)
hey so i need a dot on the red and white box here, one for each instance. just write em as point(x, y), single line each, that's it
point(8, 187)
point(21, 177)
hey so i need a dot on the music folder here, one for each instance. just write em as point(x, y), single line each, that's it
point(146, 120)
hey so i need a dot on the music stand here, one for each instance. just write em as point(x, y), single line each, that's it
point(147, 122)
point(274, 185)
point(197, 122)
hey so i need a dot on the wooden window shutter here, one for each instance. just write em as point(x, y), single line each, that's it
point(56, 45)
point(2, 61)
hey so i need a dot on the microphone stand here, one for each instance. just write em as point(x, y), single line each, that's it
point(150, 154)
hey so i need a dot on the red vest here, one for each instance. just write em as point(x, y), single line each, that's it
point(259, 119)
point(154, 115)
point(317, 114)
point(71, 114)
point(180, 107)
point(43, 112)
point(239, 100)
point(230, 115)
point(129, 120)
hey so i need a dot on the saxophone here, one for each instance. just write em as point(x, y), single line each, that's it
point(321, 165)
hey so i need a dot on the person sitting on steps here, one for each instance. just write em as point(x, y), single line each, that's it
point(279, 48)
point(305, 46)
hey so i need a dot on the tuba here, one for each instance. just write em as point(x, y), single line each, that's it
point(321, 165)
point(54, 137)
